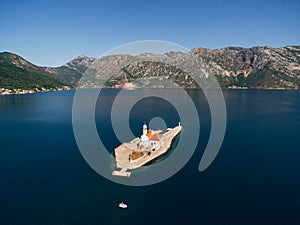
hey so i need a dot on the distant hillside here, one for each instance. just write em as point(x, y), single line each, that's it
point(256, 67)
point(17, 73)
point(71, 72)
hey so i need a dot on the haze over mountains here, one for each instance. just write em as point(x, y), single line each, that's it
point(256, 67)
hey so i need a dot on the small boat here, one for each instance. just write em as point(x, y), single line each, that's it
point(122, 205)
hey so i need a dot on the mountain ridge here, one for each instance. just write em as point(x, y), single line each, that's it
point(261, 67)
point(282, 64)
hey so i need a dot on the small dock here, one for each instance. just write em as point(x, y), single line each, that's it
point(121, 173)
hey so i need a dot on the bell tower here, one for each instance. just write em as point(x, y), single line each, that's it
point(144, 129)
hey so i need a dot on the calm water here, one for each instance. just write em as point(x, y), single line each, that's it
point(255, 178)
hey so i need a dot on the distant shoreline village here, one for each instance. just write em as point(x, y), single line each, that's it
point(5, 91)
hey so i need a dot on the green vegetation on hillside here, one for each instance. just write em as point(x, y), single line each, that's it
point(13, 77)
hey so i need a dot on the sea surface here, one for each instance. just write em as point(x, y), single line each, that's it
point(255, 178)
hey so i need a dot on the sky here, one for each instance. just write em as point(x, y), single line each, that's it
point(51, 33)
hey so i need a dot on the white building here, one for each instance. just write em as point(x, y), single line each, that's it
point(150, 140)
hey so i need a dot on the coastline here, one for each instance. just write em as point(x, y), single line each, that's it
point(7, 92)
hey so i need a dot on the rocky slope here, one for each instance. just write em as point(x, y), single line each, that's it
point(71, 72)
point(256, 67)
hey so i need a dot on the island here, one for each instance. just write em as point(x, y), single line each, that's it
point(141, 150)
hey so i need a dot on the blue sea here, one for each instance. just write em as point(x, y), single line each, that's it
point(255, 178)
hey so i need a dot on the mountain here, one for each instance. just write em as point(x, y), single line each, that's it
point(18, 74)
point(256, 67)
point(71, 72)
